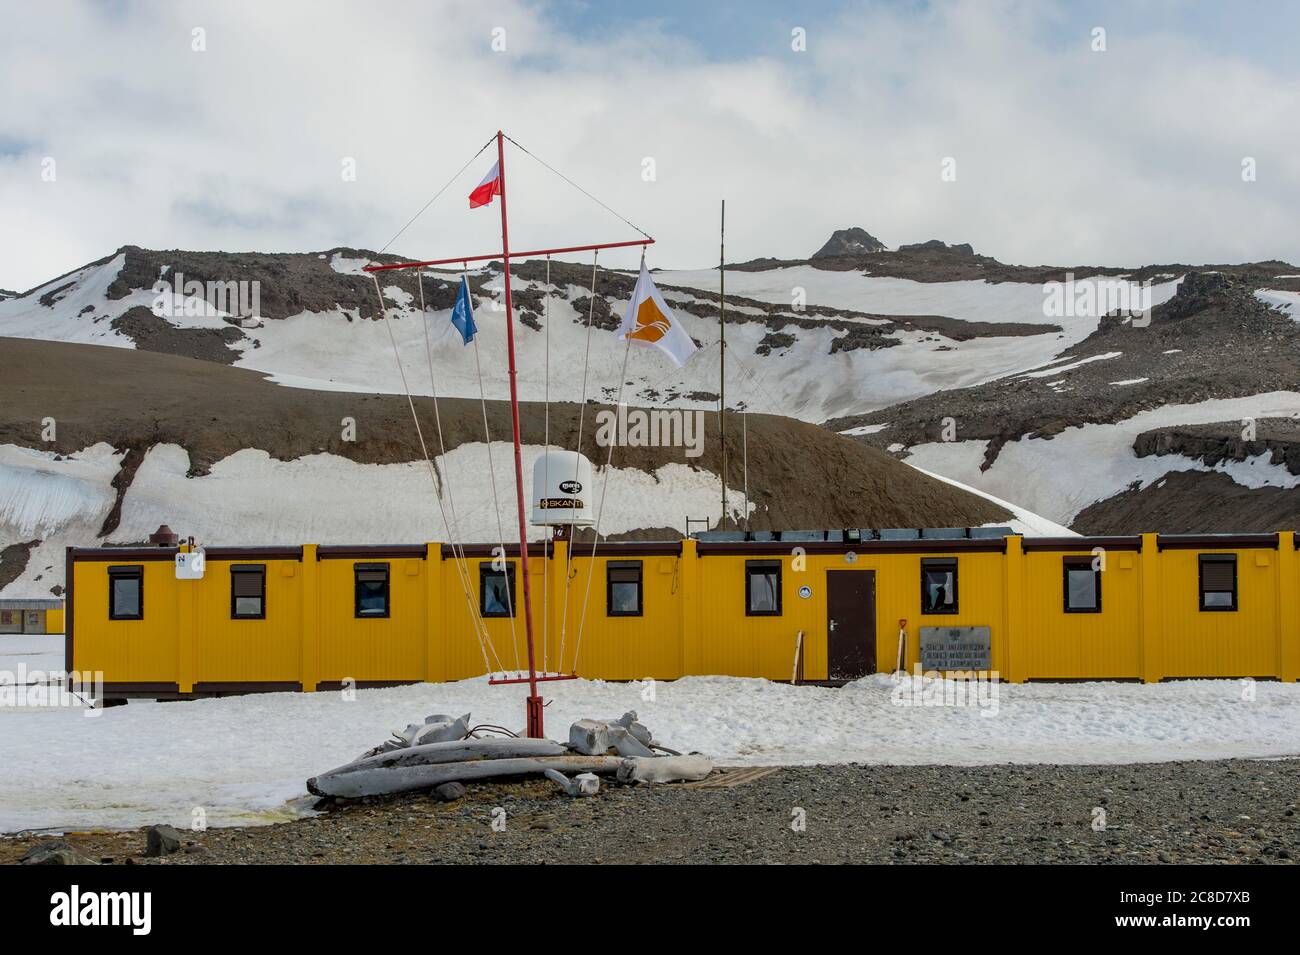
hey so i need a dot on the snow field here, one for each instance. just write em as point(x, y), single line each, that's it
point(245, 759)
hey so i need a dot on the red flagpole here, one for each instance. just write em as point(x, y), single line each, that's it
point(459, 259)
point(534, 705)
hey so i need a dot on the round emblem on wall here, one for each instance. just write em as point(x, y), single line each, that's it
point(570, 487)
point(805, 591)
point(850, 558)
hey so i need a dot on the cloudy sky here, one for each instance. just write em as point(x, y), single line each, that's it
point(120, 124)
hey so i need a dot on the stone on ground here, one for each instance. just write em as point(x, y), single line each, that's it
point(161, 841)
point(450, 792)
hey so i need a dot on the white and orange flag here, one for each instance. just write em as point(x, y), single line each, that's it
point(650, 321)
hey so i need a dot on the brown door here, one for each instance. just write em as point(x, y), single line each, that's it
point(850, 623)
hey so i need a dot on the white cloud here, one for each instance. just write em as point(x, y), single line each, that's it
point(1063, 155)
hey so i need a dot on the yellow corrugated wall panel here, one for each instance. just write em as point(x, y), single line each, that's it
point(1219, 643)
point(694, 619)
point(619, 648)
point(613, 648)
point(231, 650)
point(54, 621)
point(370, 649)
point(734, 643)
point(1288, 606)
point(126, 651)
point(463, 649)
point(461, 629)
point(980, 603)
point(1104, 645)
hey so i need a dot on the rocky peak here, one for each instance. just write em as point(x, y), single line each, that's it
point(1201, 290)
point(853, 241)
point(935, 245)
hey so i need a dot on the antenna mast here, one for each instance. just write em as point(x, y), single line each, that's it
point(535, 703)
point(722, 355)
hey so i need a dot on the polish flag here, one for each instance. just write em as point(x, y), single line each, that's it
point(489, 187)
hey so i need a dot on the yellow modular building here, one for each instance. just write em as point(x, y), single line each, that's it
point(31, 615)
point(830, 609)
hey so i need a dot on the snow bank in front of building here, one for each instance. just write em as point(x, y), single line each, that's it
point(245, 759)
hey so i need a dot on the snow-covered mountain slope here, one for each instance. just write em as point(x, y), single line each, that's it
point(222, 453)
point(809, 340)
point(886, 347)
point(1110, 419)
point(1060, 475)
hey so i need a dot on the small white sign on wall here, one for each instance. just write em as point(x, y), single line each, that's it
point(191, 566)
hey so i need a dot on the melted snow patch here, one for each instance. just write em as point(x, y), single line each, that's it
point(1057, 369)
point(345, 266)
point(399, 295)
point(1282, 300)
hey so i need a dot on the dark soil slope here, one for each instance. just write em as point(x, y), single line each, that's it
point(1192, 502)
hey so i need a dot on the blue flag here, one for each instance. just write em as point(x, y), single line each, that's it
point(462, 314)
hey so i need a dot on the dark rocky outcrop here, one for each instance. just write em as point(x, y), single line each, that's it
point(53, 295)
point(935, 245)
point(13, 561)
point(152, 333)
point(852, 241)
point(1227, 441)
point(774, 341)
point(862, 336)
point(601, 314)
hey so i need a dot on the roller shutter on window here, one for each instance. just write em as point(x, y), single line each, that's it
point(248, 591)
point(371, 590)
point(1218, 584)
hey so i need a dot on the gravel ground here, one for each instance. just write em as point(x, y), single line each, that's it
point(1230, 811)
